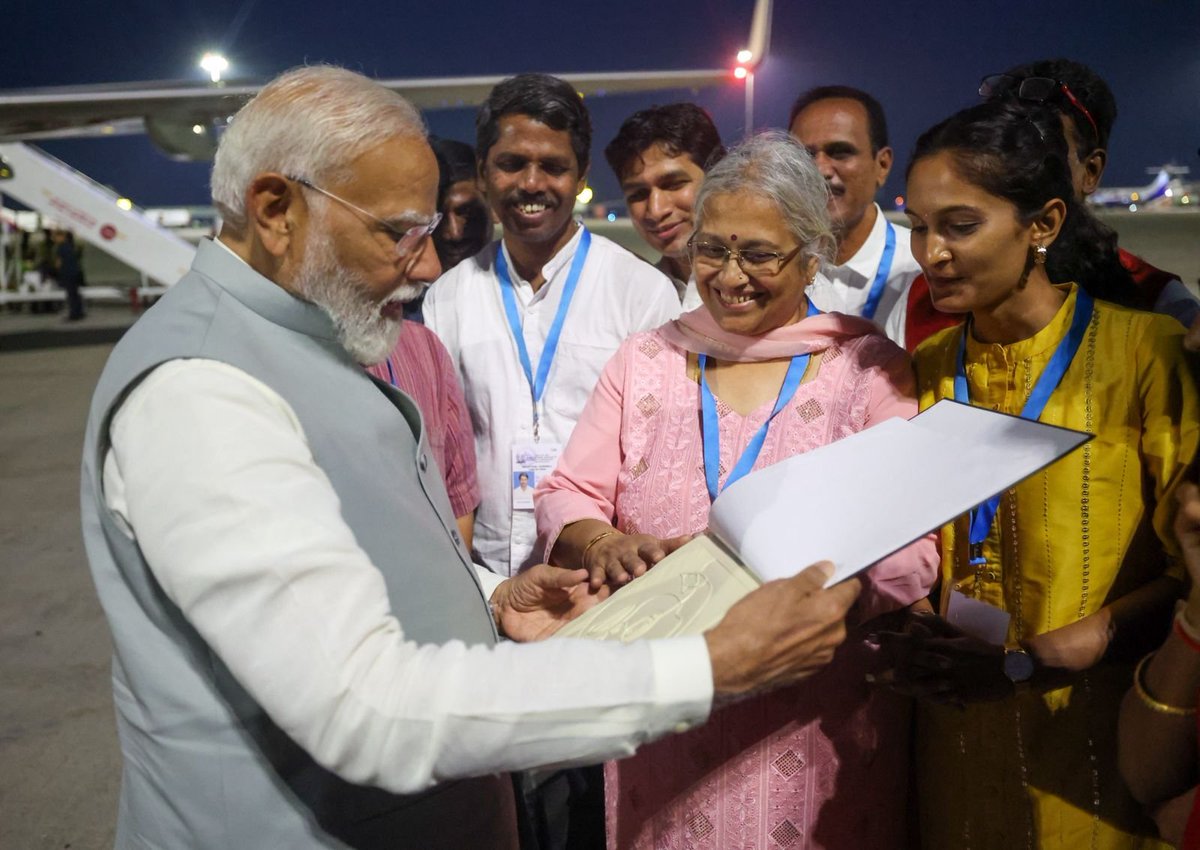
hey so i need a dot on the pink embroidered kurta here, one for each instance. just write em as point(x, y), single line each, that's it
point(420, 366)
point(821, 764)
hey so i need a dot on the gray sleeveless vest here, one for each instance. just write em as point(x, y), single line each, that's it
point(204, 767)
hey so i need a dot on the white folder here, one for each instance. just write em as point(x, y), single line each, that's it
point(852, 502)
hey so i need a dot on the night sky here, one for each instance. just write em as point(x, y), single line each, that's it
point(922, 60)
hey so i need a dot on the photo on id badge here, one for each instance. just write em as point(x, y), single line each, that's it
point(531, 462)
point(523, 483)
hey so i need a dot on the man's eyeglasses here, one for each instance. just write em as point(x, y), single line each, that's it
point(1036, 90)
point(752, 261)
point(407, 241)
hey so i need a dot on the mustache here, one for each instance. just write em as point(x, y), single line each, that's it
point(406, 292)
point(535, 198)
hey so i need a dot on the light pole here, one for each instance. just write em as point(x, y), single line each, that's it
point(745, 72)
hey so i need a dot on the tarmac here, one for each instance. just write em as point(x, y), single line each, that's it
point(60, 763)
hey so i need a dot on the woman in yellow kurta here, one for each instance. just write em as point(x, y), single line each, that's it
point(1080, 555)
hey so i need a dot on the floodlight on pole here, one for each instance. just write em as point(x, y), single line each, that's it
point(214, 64)
point(751, 57)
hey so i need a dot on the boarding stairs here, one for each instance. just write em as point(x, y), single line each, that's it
point(92, 212)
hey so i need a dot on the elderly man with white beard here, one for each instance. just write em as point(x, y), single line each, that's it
point(304, 655)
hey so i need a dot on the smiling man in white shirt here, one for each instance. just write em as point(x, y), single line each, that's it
point(845, 130)
point(303, 652)
point(531, 320)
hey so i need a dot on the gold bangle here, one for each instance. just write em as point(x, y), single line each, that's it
point(593, 542)
point(1149, 701)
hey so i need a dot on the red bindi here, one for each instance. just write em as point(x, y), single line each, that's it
point(733, 237)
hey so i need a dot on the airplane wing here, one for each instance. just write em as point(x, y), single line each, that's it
point(182, 118)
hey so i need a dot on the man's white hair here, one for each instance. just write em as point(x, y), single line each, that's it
point(310, 122)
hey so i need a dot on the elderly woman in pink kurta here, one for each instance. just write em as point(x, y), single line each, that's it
point(822, 764)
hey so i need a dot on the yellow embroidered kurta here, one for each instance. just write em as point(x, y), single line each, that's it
point(1039, 770)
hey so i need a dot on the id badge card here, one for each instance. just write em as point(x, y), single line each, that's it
point(977, 618)
point(530, 463)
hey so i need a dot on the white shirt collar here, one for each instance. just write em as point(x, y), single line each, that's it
point(565, 254)
point(865, 261)
point(232, 253)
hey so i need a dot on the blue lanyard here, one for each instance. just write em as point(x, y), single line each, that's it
point(711, 428)
point(985, 513)
point(881, 274)
point(537, 386)
point(391, 373)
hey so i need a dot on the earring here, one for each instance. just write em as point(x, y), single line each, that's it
point(1039, 255)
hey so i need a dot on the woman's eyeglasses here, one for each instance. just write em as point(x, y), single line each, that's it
point(752, 261)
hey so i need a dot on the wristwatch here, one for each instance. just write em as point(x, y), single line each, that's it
point(1018, 665)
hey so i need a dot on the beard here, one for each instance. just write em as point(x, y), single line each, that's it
point(366, 334)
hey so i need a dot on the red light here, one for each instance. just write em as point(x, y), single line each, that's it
point(740, 72)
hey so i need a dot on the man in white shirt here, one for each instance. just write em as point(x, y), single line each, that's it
point(846, 132)
point(303, 654)
point(659, 156)
point(531, 320)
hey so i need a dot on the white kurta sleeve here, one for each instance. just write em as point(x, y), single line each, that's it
point(212, 473)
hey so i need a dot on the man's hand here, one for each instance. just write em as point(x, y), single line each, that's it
point(783, 632)
point(619, 558)
point(538, 602)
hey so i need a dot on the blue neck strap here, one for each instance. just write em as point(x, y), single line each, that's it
point(391, 373)
point(537, 385)
point(710, 423)
point(984, 514)
point(881, 274)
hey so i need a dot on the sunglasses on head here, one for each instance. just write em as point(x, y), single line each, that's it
point(1035, 90)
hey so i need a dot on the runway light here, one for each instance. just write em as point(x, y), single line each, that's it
point(585, 197)
point(744, 56)
point(214, 64)
point(740, 72)
point(1133, 207)
point(125, 203)
point(198, 129)
point(1134, 196)
point(1186, 199)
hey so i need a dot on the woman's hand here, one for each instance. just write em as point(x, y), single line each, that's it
point(931, 659)
point(1187, 528)
point(1192, 341)
point(618, 559)
point(611, 558)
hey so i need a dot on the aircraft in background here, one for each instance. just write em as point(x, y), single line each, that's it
point(184, 118)
point(1166, 189)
